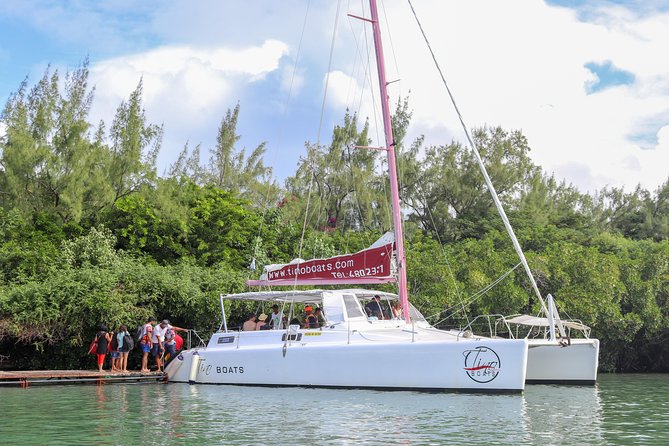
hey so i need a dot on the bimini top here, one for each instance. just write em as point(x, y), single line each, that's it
point(534, 321)
point(305, 295)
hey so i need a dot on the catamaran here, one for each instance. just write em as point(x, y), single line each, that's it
point(353, 349)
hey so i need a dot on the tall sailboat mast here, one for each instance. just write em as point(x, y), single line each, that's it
point(392, 165)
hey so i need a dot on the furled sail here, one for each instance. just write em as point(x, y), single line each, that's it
point(372, 265)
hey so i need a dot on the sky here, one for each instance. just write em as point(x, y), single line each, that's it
point(587, 82)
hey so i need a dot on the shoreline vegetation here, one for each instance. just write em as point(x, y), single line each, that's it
point(90, 233)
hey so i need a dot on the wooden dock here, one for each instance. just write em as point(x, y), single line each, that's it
point(47, 377)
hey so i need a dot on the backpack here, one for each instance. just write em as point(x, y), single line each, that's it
point(139, 333)
point(128, 341)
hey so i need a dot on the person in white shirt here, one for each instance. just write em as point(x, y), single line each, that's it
point(275, 318)
point(158, 342)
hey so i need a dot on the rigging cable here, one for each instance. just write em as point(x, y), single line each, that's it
point(491, 188)
point(318, 137)
point(443, 252)
point(281, 130)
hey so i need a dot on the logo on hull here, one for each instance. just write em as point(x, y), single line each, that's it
point(482, 364)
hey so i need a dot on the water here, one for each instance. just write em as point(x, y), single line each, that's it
point(620, 409)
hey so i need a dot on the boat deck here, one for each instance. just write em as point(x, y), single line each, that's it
point(45, 377)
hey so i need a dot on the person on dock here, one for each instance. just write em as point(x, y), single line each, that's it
point(158, 343)
point(114, 354)
point(145, 343)
point(171, 346)
point(103, 340)
point(125, 343)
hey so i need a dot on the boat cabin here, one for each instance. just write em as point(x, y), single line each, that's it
point(351, 308)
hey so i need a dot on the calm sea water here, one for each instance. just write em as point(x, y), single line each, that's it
point(620, 409)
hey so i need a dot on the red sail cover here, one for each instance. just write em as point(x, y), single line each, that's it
point(372, 265)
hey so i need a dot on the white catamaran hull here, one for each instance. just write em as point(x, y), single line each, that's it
point(550, 362)
point(323, 359)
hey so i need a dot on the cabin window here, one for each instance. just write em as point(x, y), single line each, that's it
point(352, 306)
point(226, 339)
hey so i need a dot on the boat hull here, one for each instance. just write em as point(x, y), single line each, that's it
point(462, 365)
point(550, 362)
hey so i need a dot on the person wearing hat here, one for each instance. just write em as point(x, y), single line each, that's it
point(261, 322)
point(310, 320)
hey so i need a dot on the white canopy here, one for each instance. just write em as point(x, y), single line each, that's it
point(534, 321)
point(303, 296)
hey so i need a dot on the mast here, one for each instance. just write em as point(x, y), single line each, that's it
point(392, 166)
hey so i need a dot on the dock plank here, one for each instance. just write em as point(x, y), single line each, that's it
point(25, 378)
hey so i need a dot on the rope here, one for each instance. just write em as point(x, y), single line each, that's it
point(281, 131)
point(474, 297)
point(318, 136)
point(491, 188)
point(443, 252)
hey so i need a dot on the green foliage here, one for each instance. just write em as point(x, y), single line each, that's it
point(90, 234)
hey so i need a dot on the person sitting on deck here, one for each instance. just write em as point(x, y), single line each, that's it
point(261, 322)
point(397, 310)
point(373, 308)
point(310, 319)
point(318, 312)
point(250, 324)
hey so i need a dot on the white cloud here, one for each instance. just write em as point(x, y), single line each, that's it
point(185, 88)
point(521, 65)
point(516, 64)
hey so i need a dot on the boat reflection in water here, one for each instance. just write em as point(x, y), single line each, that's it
point(563, 415)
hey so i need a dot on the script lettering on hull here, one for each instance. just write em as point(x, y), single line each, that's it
point(482, 364)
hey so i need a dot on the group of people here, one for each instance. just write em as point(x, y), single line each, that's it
point(312, 318)
point(118, 345)
point(160, 340)
point(375, 310)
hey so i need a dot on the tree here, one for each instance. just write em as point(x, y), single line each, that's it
point(231, 170)
point(134, 147)
point(453, 193)
point(48, 162)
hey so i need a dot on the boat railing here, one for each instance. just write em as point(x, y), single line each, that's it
point(495, 325)
point(192, 335)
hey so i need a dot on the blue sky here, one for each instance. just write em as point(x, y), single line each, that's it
point(586, 82)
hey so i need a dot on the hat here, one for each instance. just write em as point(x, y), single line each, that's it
point(165, 322)
point(308, 308)
point(262, 317)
